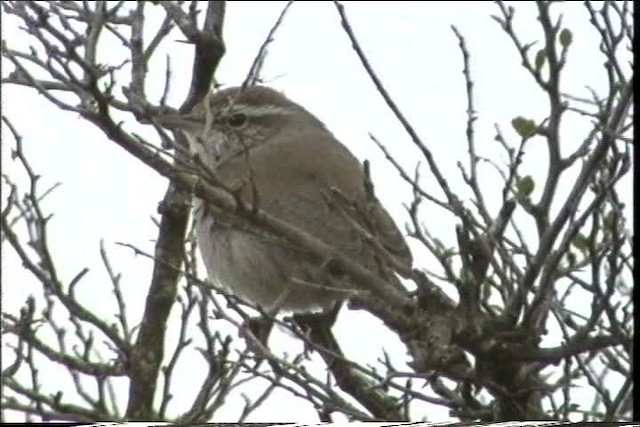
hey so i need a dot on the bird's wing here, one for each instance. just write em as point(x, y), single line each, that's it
point(298, 182)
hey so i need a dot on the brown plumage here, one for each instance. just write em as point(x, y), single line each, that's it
point(297, 166)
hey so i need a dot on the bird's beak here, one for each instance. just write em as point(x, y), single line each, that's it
point(175, 121)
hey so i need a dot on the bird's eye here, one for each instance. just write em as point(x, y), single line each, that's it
point(237, 120)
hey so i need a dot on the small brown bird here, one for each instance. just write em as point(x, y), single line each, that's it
point(260, 142)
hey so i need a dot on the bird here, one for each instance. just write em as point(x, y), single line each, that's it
point(277, 155)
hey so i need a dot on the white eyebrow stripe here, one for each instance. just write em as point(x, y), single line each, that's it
point(261, 110)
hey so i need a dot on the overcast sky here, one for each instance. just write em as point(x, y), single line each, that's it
point(107, 194)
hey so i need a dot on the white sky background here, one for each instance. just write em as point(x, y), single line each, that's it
point(107, 194)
